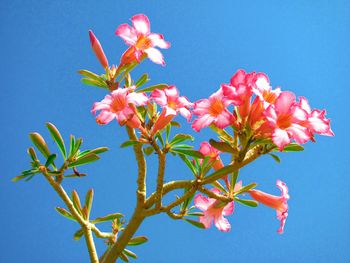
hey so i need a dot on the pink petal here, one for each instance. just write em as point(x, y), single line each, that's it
point(224, 119)
point(201, 107)
point(159, 97)
point(158, 41)
point(201, 202)
point(222, 223)
point(155, 56)
point(304, 104)
point(284, 189)
point(202, 122)
point(141, 24)
point(127, 33)
point(238, 78)
point(299, 133)
point(172, 93)
point(169, 111)
point(139, 99)
point(185, 113)
point(284, 102)
point(99, 106)
point(280, 138)
point(228, 209)
point(206, 220)
point(105, 117)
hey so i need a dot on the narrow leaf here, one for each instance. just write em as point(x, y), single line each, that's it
point(142, 80)
point(91, 75)
point(76, 201)
point(71, 145)
point(124, 257)
point(56, 136)
point(106, 218)
point(275, 157)
point(65, 213)
point(148, 150)
point(195, 214)
point(246, 188)
point(88, 200)
point(92, 82)
point(178, 138)
point(137, 241)
point(223, 171)
point(50, 160)
point(195, 223)
point(222, 146)
point(293, 147)
point(250, 203)
point(86, 159)
point(152, 88)
point(78, 234)
point(40, 143)
point(129, 143)
point(130, 253)
point(189, 164)
point(32, 154)
point(188, 152)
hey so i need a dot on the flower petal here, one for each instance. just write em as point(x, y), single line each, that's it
point(155, 56)
point(202, 122)
point(201, 202)
point(127, 33)
point(228, 209)
point(141, 24)
point(158, 40)
point(280, 138)
point(222, 223)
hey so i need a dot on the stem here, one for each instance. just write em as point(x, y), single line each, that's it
point(84, 224)
point(160, 177)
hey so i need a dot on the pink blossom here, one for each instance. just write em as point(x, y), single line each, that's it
point(276, 202)
point(98, 50)
point(316, 121)
point(264, 91)
point(212, 111)
point(141, 41)
point(214, 210)
point(119, 105)
point(170, 100)
point(286, 118)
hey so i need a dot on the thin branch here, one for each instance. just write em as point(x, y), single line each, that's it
point(84, 224)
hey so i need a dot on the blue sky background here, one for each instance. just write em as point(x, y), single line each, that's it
point(303, 46)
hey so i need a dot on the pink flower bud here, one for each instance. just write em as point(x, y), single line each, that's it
point(96, 46)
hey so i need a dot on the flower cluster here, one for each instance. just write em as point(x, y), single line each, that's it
point(268, 113)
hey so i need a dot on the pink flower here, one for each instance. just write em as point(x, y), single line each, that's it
point(170, 100)
point(264, 91)
point(119, 105)
point(316, 121)
point(207, 150)
point(212, 111)
point(141, 41)
point(276, 202)
point(97, 48)
point(286, 118)
point(214, 210)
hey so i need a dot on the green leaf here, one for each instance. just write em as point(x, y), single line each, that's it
point(50, 160)
point(78, 234)
point(91, 75)
point(137, 241)
point(129, 143)
point(195, 214)
point(40, 143)
point(93, 82)
point(88, 201)
point(189, 164)
point(148, 150)
point(246, 188)
point(124, 257)
point(160, 138)
point(21, 177)
point(130, 253)
point(223, 171)
point(142, 80)
point(195, 223)
point(71, 145)
point(86, 159)
point(275, 157)
point(31, 152)
point(175, 124)
point(76, 147)
point(167, 132)
point(56, 136)
point(64, 213)
point(95, 151)
point(293, 147)
point(188, 200)
point(188, 152)
point(152, 88)
point(250, 203)
point(183, 146)
point(222, 146)
point(178, 138)
point(107, 218)
point(76, 201)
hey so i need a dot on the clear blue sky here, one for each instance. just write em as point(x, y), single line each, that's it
point(303, 46)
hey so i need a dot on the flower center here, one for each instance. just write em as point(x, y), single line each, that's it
point(284, 121)
point(118, 104)
point(216, 108)
point(143, 43)
point(269, 96)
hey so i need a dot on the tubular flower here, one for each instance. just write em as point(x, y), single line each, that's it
point(141, 41)
point(214, 210)
point(264, 91)
point(316, 121)
point(212, 111)
point(171, 103)
point(276, 202)
point(170, 100)
point(119, 105)
point(207, 150)
point(286, 120)
point(98, 50)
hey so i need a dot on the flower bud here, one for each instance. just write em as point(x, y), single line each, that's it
point(96, 46)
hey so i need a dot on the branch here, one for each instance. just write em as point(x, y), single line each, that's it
point(86, 226)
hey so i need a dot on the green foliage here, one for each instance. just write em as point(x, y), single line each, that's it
point(195, 223)
point(107, 218)
point(136, 241)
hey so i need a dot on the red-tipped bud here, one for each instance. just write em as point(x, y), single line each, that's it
point(98, 50)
